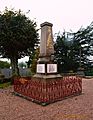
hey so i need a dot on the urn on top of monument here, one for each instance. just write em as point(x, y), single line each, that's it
point(46, 43)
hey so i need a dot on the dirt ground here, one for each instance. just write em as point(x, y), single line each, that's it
point(75, 108)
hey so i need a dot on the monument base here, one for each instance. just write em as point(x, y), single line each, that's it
point(47, 89)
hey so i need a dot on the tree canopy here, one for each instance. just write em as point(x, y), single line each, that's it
point(64, 55)
point(18, 36)
point(83, 44)
point(73, 50)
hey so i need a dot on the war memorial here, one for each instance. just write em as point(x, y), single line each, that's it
point(47, 85)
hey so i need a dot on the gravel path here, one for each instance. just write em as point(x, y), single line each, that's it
point(76, 108)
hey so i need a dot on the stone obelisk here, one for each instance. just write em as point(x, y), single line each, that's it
point(45, 63)
point(46, 43)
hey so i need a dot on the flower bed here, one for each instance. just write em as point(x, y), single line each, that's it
point(48, 90)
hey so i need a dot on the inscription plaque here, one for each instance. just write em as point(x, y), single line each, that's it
point(51, 68)
point(40, 68)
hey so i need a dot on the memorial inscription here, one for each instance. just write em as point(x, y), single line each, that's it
point(50, 47)
point(40, 68)
point(51, 68)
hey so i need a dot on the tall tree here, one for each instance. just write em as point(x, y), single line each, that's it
point(18, 36)
point(83, 45)
point(73, 50)
point(64, 53)
point(71, 53)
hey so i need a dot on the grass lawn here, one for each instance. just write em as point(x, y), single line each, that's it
point(4, 85)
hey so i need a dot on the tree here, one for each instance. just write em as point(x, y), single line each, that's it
point(4, 64)
point(83, 46)
point(64, 53)
point(73, 50)
point(22, 65)
point(18, 36)
point(34, 61)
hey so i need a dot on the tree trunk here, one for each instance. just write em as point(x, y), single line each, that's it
point(14, 64)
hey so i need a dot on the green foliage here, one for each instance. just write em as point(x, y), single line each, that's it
point(17, 33)
point(83, 42)
point(34, 62)
point(73, 50)
point(29, 62)
point(22, 64)
point(18, 36)
point(4, 85)
point(4, 64)
point(89, 72)
point(64, 54)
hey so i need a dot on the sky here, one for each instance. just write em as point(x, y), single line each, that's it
point(63, 14)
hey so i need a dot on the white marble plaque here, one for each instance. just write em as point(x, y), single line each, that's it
point(40, 68)
point(51, 68)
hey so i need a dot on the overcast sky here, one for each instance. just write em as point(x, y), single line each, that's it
point(63, 14)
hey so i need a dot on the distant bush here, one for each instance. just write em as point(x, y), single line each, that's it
point(89, 72)
point(4, 64)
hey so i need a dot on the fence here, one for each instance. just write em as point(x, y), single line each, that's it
point(23, 72)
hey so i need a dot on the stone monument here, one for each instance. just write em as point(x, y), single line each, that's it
point(47, 86)
point(45, 64)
